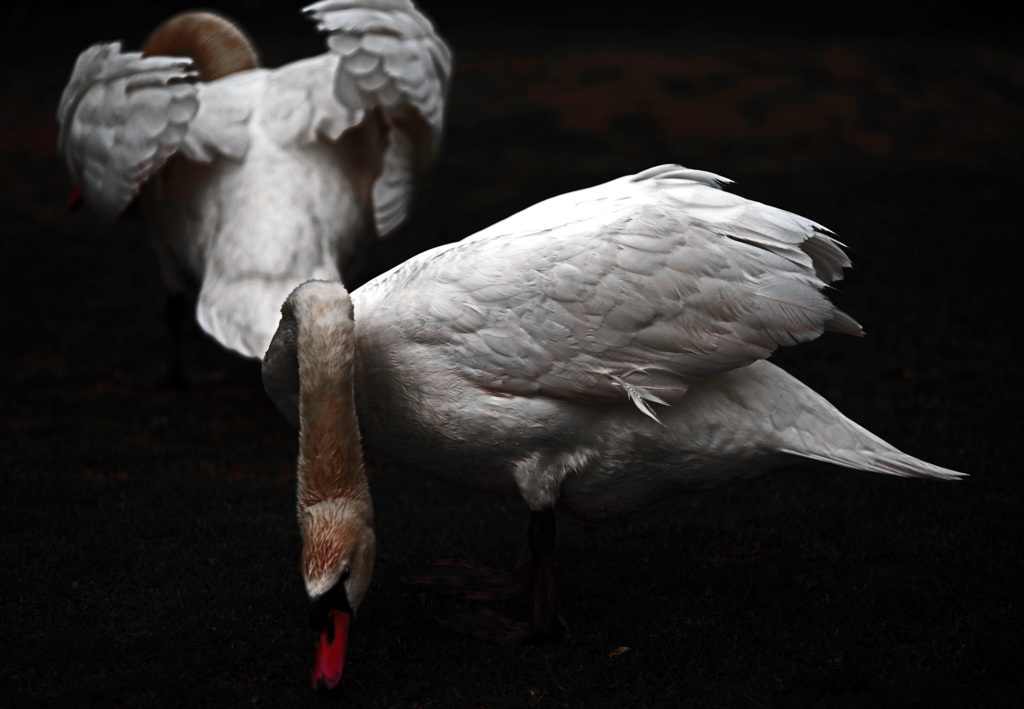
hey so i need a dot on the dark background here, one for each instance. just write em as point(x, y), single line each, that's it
point(149, 546)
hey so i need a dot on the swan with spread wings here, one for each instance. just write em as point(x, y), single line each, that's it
point(253, 180)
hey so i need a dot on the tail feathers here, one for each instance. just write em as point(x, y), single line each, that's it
point(887, 462)
point(804, 424)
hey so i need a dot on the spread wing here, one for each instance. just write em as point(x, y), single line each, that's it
point(390, 57)
point(121, 117)
point(626, 291)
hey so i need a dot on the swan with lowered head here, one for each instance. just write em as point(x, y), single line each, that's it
point(595, 353)
point(253, 180)
point(334, 508)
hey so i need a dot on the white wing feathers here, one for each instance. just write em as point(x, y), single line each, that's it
point(636, 287)
point(389, 56)
point(121, 116)
point(391, 194)
point(221, 125)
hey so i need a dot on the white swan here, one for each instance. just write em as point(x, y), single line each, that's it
point(594, 353)
point(254, 180)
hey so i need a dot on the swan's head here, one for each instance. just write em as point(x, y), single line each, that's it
point(338, 547)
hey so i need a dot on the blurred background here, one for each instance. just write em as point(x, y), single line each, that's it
point(148, 539)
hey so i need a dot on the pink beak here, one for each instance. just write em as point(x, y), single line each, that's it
point(331, 647)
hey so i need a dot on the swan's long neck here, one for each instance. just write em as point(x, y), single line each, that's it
point(330, 454)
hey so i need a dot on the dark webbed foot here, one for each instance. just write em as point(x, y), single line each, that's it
point(472, 581)
point(466, 579)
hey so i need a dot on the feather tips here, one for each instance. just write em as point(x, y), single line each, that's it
point(639, 396)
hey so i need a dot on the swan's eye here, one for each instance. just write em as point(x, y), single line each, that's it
point(345, 574)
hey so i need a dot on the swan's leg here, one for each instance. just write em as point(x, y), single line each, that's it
point(174, 318)
point(546, 623)
point(175, 372)
point(472, 581)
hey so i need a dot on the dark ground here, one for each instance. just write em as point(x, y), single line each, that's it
point(149, 546)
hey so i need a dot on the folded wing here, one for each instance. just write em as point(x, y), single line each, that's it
point(630, 290)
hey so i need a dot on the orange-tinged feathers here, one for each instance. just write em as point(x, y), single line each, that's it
point(216, 45)
point(330, 461)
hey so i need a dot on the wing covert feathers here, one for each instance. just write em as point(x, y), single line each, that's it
point(121, 116)
point(627, 291)
point(389, 54)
